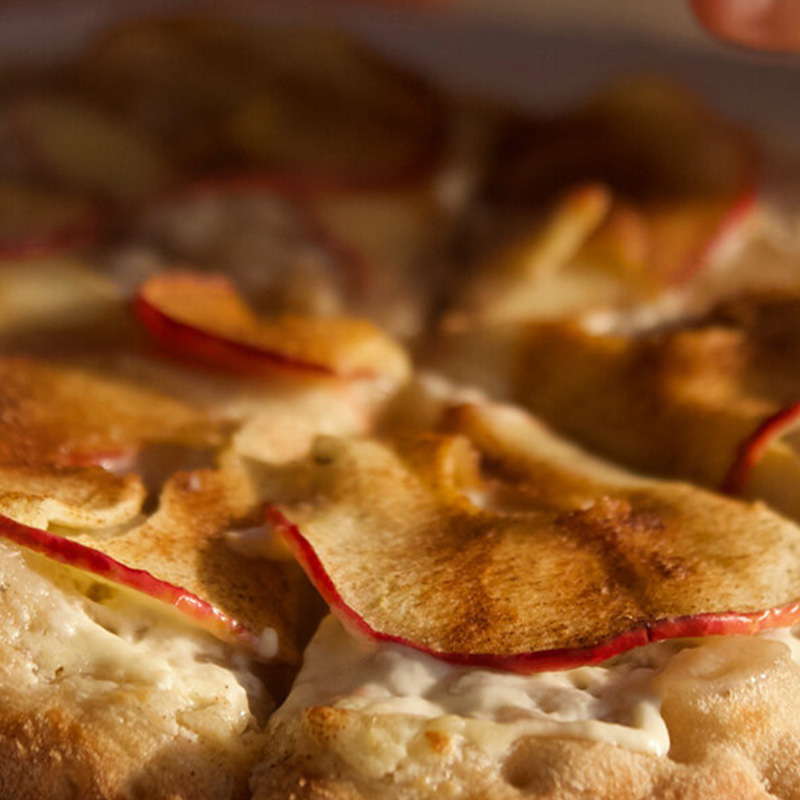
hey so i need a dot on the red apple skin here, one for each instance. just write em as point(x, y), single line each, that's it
point(74, 554)
point(714, 624)
point(753, 448)
point(742, 209)
point(116, 460)
point(187, 341)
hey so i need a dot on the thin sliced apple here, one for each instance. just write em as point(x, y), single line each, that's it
point(682, 183)
point(409, 542)
point(687, 403)
point(60, 416)
point(41, 222)
point(180, 557)
point(204, 318)
point(530, 278)
point(88, 150)
point(76, 497)
point(754, 448)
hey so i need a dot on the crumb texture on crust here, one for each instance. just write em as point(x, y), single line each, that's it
point(751, 751)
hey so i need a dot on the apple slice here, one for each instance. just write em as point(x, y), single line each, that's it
point(766, 465)
point(180, 557)
point(61, 416)
point(754, 448)
point(86, 149)
point(695, 176)
point(37, 222)
point(410, 542)
point(204, 318)
point(86, 497)
point(535, 276)
point(681, 183)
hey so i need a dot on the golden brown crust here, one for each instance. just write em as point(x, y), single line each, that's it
point(553, 769)
point(741, 748)
point(51, 752)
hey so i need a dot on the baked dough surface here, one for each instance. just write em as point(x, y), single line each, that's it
point(90, 707)
point(345, 207)
point(731, 737)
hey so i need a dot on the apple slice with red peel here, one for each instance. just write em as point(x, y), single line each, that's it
point(695, 176)
point(754, 449)
point(203, 317)
point(37, 222)
point(64, 416)
point(683, 182)
point(412, 543)
point(179, 556)
point(87, 150)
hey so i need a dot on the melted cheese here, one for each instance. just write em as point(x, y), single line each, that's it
point(408, 696)
point(57, 639)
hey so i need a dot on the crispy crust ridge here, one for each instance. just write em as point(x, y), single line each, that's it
point(738, 759)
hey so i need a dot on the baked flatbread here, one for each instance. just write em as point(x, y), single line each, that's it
point(219, 244)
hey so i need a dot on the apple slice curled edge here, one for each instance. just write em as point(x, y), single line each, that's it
point(692, 177)
point(74, 554)
point(180, 557)
point(754, 448)
point(509, 588)
point(203, 317)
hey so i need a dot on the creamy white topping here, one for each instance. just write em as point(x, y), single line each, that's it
point(57, 639)
point(414, 695)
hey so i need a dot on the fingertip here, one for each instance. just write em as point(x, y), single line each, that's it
point(760, 24)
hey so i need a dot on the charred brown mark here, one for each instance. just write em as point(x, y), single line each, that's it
point(634, 544)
